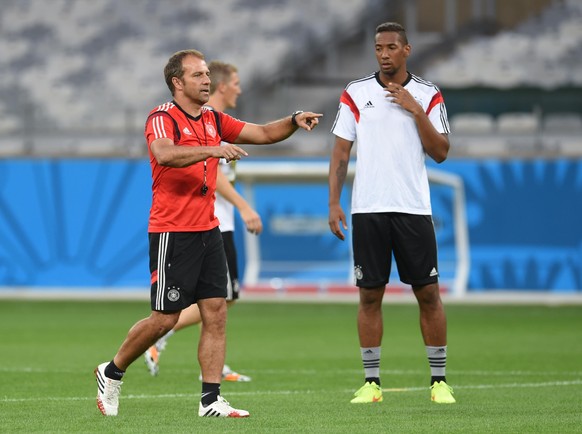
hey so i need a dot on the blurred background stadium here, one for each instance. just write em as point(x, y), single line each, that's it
point(79, 77)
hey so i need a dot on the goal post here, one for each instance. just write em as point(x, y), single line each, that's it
point(251, 174)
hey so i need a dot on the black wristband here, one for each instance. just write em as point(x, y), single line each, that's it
point(294, 115)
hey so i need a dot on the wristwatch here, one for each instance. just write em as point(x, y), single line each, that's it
point(293, 115)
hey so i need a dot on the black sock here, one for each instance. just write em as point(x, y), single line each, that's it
point(113, 372)
point(437, 379)
point(210, 392)
point(373, 380)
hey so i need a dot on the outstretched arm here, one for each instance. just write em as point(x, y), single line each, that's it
point(250, 217)
point(338, 169)
point(167, 153)
point(277, 131)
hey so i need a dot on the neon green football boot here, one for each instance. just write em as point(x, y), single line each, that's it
point(441, 393)
point(369, 392)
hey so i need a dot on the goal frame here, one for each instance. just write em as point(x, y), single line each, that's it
point(252, 173)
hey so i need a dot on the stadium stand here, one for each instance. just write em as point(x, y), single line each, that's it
point(90, 58)
point(518, 123)
point(564, 131)
point(473, 123)
point(544, 51)
point(563, 123)
point(74, 71)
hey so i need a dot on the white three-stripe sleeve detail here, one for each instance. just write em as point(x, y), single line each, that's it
point(158, 125)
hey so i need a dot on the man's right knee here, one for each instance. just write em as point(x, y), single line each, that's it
point(164, 321)
point(370, 297)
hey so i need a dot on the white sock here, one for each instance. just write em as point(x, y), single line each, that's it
point(371, 361)
point(437, 359)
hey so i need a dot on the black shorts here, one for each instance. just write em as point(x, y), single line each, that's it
point(410, 237)
point(232, 288)
point(186, 267)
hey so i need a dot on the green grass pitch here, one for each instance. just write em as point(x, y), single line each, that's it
point(514, 369)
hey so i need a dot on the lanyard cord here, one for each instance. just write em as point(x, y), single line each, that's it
point(204, 188)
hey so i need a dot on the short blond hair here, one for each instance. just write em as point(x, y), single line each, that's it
point(220, 72)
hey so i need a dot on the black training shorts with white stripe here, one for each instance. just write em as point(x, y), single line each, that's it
point(410, 237)
point(186, 267)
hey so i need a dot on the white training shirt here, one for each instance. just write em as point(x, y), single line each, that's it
point(390, 166)
point(223, 209)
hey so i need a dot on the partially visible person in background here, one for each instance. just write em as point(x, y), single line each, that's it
point(397, 118)
point(186, 253)
point(224, 92)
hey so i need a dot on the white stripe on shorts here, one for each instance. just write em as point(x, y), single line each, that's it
point(229, 284)
point(162, 250)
